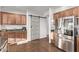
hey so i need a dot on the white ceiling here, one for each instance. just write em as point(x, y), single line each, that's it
point(39, 10)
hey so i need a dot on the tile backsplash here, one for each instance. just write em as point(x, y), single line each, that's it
point(12, 26)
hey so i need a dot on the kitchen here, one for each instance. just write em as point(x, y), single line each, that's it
point(39, 28)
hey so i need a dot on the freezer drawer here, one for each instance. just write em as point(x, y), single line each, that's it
point(68, 46)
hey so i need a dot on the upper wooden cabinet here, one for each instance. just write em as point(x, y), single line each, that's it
point(0, 18)
point(78, 11)
point(4, 18)
point(56, 16)
point(23, 19)
point(75, 11)
point(11, 19)
point(68, 12)
point(18, 19)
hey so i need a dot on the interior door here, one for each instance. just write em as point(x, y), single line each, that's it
point(35, 28)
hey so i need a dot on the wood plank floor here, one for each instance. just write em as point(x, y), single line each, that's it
point(40, 45)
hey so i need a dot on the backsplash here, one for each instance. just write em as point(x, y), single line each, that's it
point(12, 26)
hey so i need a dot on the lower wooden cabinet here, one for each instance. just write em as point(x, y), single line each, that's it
point(24, 35)
point(4, 34)
point(14, 37)
point(54, 37)
point(11, 34)
point(77, 43)
point(18, 34)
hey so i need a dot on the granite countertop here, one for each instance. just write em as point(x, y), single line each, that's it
point(16, 31)
point(13, 30)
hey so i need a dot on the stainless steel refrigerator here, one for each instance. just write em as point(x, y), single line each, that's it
point(65, 34)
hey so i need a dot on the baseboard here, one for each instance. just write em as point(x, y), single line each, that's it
point(44, 38)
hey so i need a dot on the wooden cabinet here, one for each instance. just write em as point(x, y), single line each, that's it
point(18, 34)
point(18, 19)
point(11, 37)
point(23, 19)
point(56, 16)
point(4, 18)
point(11, 34)
point(53, 37)
point(11, 19)
point(4, 34)
point(78, 11)
point(0, 19)
point(77, 43)
point(75, 11)
point(14, 37)
point(24, 35)
point(68, 12)
point(62, 14)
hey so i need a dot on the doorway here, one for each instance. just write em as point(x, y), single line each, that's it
point(39, 28)
point(35, 27)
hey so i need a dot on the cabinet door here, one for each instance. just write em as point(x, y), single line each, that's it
point(24, 35)
point(56, 16)
point(68, 12)
point(23, 19)
point(4, 34)
point(0, 18)
point(4, 18)
point(11, 19)
point(11, 37)
point(53, 37)
point(18, 35)
point(78, 11)
point(59, 15)
point(18, 19)
point(77, 44)
point(75, 11)
point(11, 34)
